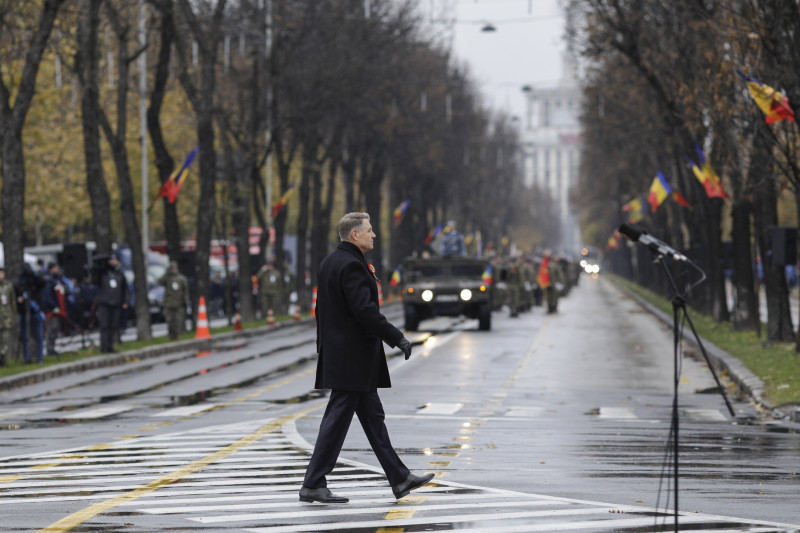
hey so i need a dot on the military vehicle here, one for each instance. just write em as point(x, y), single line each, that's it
point(447, 286)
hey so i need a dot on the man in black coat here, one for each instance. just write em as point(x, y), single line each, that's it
point(112, 298)
point(352, 363)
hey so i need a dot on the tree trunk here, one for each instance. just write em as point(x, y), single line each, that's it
point(284, 157)
point(238, 179)
point(12, 121)
point(372, 176)
point(745, 313)
point(322, 218)
point(304, 192)
point(86, 61)
point(779, 321)
point(119, 149)
point(203, 104)
point(164, 161)
point(716, 274)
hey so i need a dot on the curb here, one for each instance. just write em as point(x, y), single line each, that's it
point(109, 360)
point(722, 360)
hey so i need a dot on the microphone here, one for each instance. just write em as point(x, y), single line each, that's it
point(638, 234)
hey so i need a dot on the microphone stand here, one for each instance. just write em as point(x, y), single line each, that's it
point(678, 306)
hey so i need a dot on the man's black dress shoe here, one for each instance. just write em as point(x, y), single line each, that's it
point(412, 482)
point(322, 495)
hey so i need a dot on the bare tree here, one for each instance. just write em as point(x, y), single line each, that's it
point(86, 66)
point(117, 139)
point(204, 23)
point(12, 121)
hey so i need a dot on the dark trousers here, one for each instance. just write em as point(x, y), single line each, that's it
point(333, 430)
point(108, 320)
point(36, 321)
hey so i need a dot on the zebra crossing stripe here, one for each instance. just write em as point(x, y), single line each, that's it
point(81, 516)
point(316, 513)
point(456, 518)
point(352, 509)
point(257, 501)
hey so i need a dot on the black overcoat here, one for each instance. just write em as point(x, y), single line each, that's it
point(350, 326)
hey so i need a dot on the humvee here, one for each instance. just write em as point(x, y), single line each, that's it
point(447, 286)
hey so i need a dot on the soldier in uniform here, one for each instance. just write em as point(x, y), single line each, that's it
point(549, 280)
point(528, 281)
point(176, 293)
point(515, 287)
point(269, 288)
point(8, 317)
point(112, 298)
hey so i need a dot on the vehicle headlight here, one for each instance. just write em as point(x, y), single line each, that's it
point(466, 295)
point(427, 295)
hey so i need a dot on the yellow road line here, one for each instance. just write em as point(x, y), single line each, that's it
point(105, 446)
point(75, 519)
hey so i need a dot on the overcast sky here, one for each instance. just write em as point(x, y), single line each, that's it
point(525, 49)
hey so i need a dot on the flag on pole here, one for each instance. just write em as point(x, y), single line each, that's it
point(432, 234)
point(659, 190)
point(635, 209)
point(282, 201)
point(487, 275)
point(172, 186)
point(397, 276)
point(678, 197)
point(706, 175)
point(774, 105)
point(399, 211)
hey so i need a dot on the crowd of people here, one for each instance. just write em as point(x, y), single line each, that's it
point(43, 303)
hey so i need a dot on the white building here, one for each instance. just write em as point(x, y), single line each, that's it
point(552, 143)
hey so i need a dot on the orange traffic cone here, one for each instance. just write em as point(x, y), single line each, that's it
point(380, 295)
point(270, 317)
point(237, 322)
point(314, 302)
point(202, 321)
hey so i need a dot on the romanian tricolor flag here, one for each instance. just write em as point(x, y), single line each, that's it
point(487, 275)
point(399, 211)
point(282, 201)
point(774, 105)
point(397, 276)
point(659, 190)
point(172, 186)
point(543, 276)
point(432, 234)
point(706, 175)
point(635, 209)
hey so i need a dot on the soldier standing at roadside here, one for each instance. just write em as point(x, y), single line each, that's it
point(8, 317)
point(176, 293)
point(269, 287)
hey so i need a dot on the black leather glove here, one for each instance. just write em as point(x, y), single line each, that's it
point(405, 347)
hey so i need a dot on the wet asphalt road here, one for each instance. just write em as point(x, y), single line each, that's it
point(545, 423)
